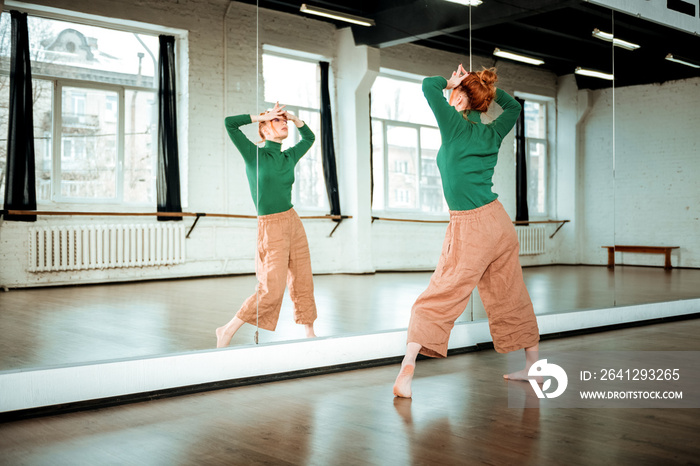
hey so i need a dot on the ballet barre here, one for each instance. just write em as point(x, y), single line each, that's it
point(197, 215)
point(515, 222)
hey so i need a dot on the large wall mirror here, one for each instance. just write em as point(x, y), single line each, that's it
point(611, 162)
point(656, 81)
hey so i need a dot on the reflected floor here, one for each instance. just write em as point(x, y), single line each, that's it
point(68, 325)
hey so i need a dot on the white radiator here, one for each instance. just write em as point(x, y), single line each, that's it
point(80, 247)
point(531, 239)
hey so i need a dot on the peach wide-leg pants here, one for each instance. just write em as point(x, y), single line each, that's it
point(283, 258)
point(480, 249)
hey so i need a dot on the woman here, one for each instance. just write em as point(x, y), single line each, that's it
point(481, 245)
point(283, 250)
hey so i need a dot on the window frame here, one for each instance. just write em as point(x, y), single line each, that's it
point(550, 131)
point(297, 55)
point(385, 122)
point(129, 26)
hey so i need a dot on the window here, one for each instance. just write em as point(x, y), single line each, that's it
point(536, 153)
point(95, 103)
point(405, 142)
point(299, 88)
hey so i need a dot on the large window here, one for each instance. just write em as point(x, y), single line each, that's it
point(405, 142)
point(95, 103)
point(536, 147)
point(295, 82)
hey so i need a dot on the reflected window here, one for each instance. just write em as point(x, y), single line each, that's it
point(405, 142)
point(95, 104)
point(296, 82)
point(536, 147)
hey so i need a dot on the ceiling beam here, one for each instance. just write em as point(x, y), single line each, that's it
point(400, 23)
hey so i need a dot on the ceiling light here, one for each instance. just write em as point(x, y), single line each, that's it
point(314, 10)
point(594, 74)
point(606, 36)
point(467, 2)
point(683, 61)
point(517, 57)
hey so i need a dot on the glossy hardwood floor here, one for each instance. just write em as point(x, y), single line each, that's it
point(459, 415)
point(79, 324)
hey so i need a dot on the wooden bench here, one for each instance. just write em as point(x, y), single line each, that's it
point(642, 249)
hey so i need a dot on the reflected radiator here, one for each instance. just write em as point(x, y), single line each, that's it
point(81, 247)
point(531, 239)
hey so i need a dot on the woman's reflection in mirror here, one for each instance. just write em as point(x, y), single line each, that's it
point(282, 248)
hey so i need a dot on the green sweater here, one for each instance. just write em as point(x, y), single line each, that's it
point(276, 167)
point(469, 149)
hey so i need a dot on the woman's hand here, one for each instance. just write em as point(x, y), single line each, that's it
point(294, 119)
point(457, 77)
point(275, 112)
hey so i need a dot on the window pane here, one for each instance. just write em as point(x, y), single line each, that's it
point(402, 161)
point(88, 145)
point(309, 189)
point(140, 144)
point(432, 199)
point(78, 51)
point(5, 41)
point(378, 189)
point(43, 137)
point(42, 97)
point(291, 82)
point(536, 177)
point(395, 99)
point(535, 120)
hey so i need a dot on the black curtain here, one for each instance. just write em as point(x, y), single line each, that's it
point(371, 154)
point(20, 187)
point(521, 211)
point(168, 179)
point(328, 150)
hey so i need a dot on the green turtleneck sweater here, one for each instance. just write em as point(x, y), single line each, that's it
point(469, 149)
point(276, 167)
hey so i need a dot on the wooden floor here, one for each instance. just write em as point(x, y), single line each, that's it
point(459, 414)
point(79, 324)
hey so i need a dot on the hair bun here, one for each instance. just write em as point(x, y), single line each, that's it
point(488, 76)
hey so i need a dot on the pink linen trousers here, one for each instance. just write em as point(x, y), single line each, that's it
point(480, 249)
point(282, 258)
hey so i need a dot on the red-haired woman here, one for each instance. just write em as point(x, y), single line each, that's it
point(481, 245)
point(283, 250)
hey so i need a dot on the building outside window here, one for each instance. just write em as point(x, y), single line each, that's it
point(405, 142)
point(299, 88)
point(95, 111)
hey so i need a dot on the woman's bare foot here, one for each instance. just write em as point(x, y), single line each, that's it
point(309, 329)
point(223, 338)
point(522, 375)
point(402, 386)
point(225, 334)
point(531, 357)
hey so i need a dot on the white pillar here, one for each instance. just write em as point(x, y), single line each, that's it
point(357, 67)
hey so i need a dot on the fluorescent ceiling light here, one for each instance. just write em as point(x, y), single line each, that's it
point(467, 2)
point(517, 57)
point(594, 74)
point(680, 60)
point(314, 10)
point(606, 36)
